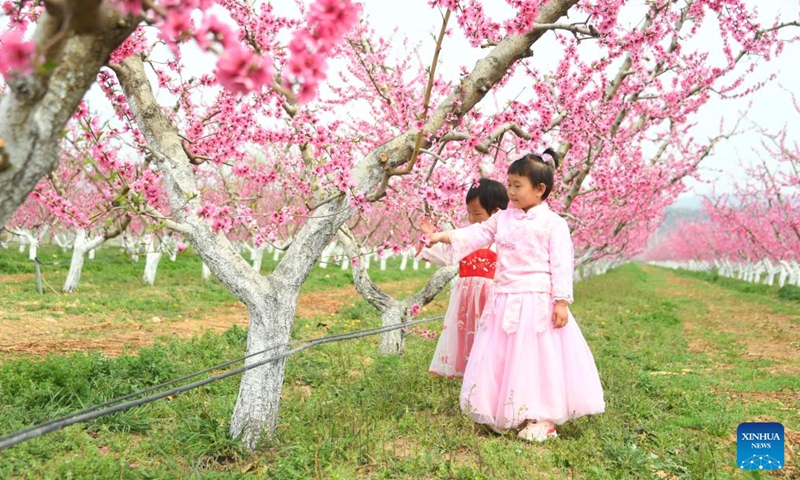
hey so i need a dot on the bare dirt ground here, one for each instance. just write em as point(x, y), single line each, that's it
point(39, 334)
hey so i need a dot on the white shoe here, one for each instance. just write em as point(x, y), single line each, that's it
point(538, 431)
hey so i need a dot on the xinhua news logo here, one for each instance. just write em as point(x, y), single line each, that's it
point(760, 446)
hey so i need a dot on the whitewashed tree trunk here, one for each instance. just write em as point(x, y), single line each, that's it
point(393, 342)
point(758, 271)
point(345, 262)
point(728, 268)
point(784, 273)
point(92, 253)
point(596, 269)
point(33, 248)
point(206, 272)
point(257, 405)
point(404, 261)
point(245, 247)
point(367, 259)
point(80, 247)
point(258, 259)
point(327, 253)
point(26, 238)
point(771, 270)
point(152, 259)
point(61, 241)
point(414, 263)
point(383, 263)
point(276, 255)
point(151, 267)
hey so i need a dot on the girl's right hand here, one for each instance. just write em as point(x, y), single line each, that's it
point(426, 226)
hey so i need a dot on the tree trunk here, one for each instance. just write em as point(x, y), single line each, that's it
point(34, 108)
point(258, 258)
point(79, 249)
point(256, 413)
point(33, 248)
point(326, 255)
point(392, 342)
point(151, 266)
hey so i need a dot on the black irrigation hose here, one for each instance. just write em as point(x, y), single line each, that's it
point(92, 412)
point(187, 377)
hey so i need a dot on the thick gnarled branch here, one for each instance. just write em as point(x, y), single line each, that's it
point(36, 107)
point(166, 146)
point(577, 28)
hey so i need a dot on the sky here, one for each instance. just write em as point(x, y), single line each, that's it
point(771, 107)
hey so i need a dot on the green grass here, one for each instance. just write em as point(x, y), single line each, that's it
point(348, 413)
point(113, 283)
point(110, 283)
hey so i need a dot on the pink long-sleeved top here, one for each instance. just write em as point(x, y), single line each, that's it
point(534, 250)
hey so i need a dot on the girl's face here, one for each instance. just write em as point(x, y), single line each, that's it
point(476, 212)
point(522, 193)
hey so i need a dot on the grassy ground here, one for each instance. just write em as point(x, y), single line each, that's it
point(683, 361)
point(115, 311)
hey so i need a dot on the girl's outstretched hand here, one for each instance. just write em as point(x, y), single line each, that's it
point(430, 235)
point(560, 314)
point(426, 225)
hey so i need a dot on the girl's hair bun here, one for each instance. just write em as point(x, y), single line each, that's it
point(555, 158)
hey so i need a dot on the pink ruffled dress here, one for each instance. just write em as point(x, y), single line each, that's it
point(521, 367)
point(470, 292)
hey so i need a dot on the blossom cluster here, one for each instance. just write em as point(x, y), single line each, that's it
point(424, 333)
point(328, 22)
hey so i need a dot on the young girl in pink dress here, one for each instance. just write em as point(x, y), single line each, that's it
point(473, 285)
point(530, 367)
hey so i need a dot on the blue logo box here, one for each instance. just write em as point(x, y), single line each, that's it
point(760, 446)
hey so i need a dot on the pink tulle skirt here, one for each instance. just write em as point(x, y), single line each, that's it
point(467, 299)
point(537, 372)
